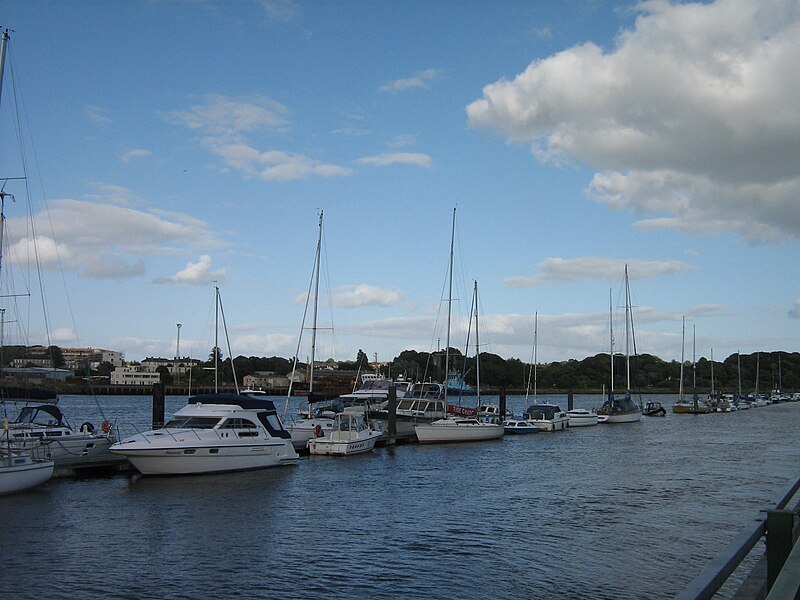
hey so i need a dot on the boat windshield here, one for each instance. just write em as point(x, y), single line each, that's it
point(192, 423)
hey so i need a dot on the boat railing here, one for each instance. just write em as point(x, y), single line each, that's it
point(776, 526)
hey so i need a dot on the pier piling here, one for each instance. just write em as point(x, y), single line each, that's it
point(503, 403)
point(158, 405)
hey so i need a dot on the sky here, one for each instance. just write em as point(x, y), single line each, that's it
point(176, 146)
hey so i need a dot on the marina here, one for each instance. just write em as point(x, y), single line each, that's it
point(611, 494)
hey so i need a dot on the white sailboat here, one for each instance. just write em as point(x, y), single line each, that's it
point(20, 468)
point(314, 423)
point(457, 428)
point(621, 408)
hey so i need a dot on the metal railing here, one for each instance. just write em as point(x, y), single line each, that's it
point(783, 561)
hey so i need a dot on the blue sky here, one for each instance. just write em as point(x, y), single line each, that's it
point(179, 145)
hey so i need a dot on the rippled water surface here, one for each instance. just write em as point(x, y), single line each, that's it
point(613, 511)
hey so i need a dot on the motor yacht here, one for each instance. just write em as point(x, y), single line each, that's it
point(213, 433)
point(351, 434)
point(548, 417)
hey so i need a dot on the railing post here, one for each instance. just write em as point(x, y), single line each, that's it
point(779, 541)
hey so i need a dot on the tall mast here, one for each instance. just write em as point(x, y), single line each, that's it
point(216, 339)
point(477, 350)
point(683, 345)
point(449, 307)
point(611, 328)
point(758, 368)
point(314, 310)
point(694, 373)
point(627, 331)
point(535, 354)
point(713, 388)
point(3, 45)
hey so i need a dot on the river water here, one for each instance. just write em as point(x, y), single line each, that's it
point(612, 511)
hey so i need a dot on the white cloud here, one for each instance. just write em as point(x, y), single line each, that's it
point(417, 80)
point(104, 240)
point(553, 270)
point(135, 153)
point(691, 119)
point(197, 273)
point(365, 295)
point(393, 158)
point(224, 124)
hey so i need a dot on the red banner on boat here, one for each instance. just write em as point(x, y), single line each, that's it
point(461, 410)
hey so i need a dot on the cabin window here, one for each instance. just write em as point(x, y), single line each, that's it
point(192, 423)
point(237, 423)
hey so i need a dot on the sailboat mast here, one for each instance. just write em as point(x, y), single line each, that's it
point(694, 372)
point(477, 351)
point(449, 306)
point(3, 45)
point(216, 339)
point(627, 331)
point(713, 387)
point(758, 369)
point(535, 354)
point(611, 328)
point(683, 347)
point(739, 371)
point(314, 309)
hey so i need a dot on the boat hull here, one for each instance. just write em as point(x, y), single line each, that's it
point(443, 433)
point(20, 476)
point(581, 418)
point(630, 417)
point(322, 446)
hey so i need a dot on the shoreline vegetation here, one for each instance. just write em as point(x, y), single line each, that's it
point(763, 371)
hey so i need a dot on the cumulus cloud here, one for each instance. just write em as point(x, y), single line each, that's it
point(197, 273)
point(365, 295)
point(224, 125)
point(393, 158)
point(569, 270)
point(103, 240)
point(420, 79)
point(690, 120)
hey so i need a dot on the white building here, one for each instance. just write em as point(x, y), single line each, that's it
point(134, 375)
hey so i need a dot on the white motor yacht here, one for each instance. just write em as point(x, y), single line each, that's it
point(213, 433)
point(580, 417)
point(548, 417)
point(351, 434)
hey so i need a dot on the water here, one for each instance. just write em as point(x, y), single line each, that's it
point(613, 511)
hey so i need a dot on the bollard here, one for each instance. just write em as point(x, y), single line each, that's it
point(158, 405)
point(779, 541)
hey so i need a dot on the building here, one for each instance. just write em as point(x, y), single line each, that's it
point(265, 380)
point(83, 359)
point(177, 367)
point(135, 375)
point(35, 356)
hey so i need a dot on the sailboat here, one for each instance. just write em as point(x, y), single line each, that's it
point(457, 428)
point(315, 423)
point(621, 408)
point(20, 468)
point(682, 406)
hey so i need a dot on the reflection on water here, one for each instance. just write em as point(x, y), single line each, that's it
point(613, 511)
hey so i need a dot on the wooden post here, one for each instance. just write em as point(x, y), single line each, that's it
point(779, 541)
point(158, 405)
point(570, 405)
point(502, 403)
point(391, 411)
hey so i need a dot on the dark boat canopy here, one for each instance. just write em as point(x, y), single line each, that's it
point(44, 414)
point(241, 400)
